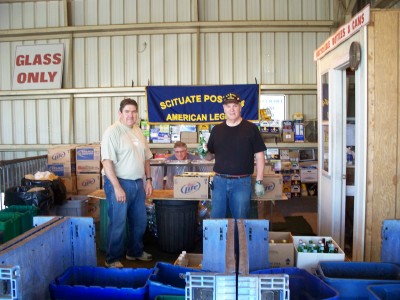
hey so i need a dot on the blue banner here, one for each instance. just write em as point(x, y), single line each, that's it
point(198, 104)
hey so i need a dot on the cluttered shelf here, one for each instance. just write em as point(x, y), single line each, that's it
point(269, 145)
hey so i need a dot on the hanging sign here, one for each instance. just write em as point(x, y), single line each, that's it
point(38, 67)
point(343, 33)
point(198, 104)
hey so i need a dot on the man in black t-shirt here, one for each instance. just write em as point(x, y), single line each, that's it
point(235, 143)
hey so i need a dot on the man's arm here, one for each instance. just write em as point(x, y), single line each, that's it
point(108, 166)
point(147, 170)
point(260, 163)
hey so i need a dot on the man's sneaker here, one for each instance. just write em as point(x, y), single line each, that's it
point(115, 264)
point(144, 257)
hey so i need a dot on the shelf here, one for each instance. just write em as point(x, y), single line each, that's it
point(269, 145)
point(292, 145)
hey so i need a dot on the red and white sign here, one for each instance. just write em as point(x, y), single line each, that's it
point(38, 67)
point(343, 33)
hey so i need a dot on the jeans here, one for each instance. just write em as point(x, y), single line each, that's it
point(131, 212)
point(233, 194)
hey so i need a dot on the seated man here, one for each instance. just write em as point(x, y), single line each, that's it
point(180, 154)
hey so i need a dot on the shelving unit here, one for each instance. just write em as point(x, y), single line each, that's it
point(169, 146)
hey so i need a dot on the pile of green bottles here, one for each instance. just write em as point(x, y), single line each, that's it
point(321, 246)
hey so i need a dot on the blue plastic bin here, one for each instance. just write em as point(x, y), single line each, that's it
point(168, 279)
point(303, 285)
point(351, 279)
point(384, 291)
point(101, 283)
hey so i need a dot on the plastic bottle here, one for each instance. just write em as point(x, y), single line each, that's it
point(183, 259)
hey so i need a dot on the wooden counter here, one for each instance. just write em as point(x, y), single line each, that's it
point(169, 195)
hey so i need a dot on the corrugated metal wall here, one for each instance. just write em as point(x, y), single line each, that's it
point(113, 45)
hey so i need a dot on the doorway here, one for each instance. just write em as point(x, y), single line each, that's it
point(342, 146)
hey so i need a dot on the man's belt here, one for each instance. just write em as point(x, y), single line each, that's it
point(232, 176)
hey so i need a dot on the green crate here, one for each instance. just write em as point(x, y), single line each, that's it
point(10, 225)
point(104, 225)
point(27, 213)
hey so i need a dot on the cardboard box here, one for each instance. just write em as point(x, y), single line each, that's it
point(88, 152)
point(61, 155)
point(309, 261)
point(88, 167)
point(273, 187)
point(189, 260)
point(281, 251)
point(70, 184)
point(287, 137)
point(62, 169)
point(191, 186)
point(94, 208)
point(189, 137)
point(89, 182)
point(309, 175)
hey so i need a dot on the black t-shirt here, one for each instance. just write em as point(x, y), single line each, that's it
point(234, 147)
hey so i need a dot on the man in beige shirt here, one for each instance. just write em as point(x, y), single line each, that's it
point(126, 156)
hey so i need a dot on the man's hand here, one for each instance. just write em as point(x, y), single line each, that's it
point(259, 188)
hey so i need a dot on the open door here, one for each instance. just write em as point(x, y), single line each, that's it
point(342, 122)
point(331, 191)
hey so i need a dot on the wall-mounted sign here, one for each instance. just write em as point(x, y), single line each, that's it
point(343, 33)
point(38, 67)
point(198, 104)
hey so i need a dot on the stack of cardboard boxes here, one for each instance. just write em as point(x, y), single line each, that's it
point(88, 168)
point(78, 167)
point(62, 162)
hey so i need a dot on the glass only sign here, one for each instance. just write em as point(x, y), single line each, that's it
point(38, 67)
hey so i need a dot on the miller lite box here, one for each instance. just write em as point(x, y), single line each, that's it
point(61, 160)
point(87, 183)
point(192, 185)
point(273, 185)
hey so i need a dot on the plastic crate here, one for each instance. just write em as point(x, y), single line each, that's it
point(168, 279)
point(210, 286)
point(264, 286)
point(77, 206)
point(101, 283)
point(27, 213)
point(384, 291)
point(9, 279)
point(351, 279)
point(303, 285)
point(10, 225)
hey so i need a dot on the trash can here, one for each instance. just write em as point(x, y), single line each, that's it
point(176, 225)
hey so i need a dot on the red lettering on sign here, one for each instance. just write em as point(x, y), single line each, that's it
point(47, 59)
point(21, 78)
point(57, 58)
point(35, 77)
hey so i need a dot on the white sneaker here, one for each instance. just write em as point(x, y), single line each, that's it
point(144, 257)
point(115, 264)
